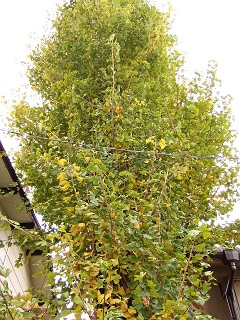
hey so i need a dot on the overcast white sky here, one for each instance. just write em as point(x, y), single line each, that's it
point(206, 29)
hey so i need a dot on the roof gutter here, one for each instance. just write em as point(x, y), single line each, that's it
point(20, 190)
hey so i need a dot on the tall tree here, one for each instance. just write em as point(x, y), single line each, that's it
point(126, 160)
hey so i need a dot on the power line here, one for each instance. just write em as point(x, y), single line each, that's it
point(99, 147)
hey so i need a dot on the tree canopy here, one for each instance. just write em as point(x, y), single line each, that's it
point(128, 162)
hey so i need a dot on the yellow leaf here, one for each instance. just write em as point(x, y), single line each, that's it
point(158, 222)
point(100, 314)
point(124, 307)
point(65, 186)
point(81, 226)
point(100, 296)
point(103, 223)
point(137, 226)
point(108, 294)
point(62, 162)
point(26, 297)
point(80, 179)
point(119, 109)
point(131, 311)
point(179, 177)
point(129, 316)
point(121, 291)
point(115, 301)
point(162, 144)
point(63, 182)
point(114, 215)
point(151, 140)
point(185, 169)
point(62, 228)
point(94, 274)
point(77, 168)
point(67, 199)
point(61, 176)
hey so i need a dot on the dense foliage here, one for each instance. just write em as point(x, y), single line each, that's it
point(126, 162)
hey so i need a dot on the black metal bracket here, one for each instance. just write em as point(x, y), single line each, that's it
point(231, 257)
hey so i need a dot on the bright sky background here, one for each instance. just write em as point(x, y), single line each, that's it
point(206, 29)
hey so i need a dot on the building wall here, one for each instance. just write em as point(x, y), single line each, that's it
point(216, 306)
point(237, 289)
point(237, 303)
point(19, 279)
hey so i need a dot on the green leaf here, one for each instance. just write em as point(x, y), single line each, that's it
point(140, 276)
point(78, 301)
point(4, 226)
point(116, 278)
point(113, 97)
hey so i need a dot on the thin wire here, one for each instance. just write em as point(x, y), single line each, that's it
point(9, 277)
point(13, 268)
point(6, 253)
point(89, 147)
point(15, 258)
point(20, 268)
point(7, 250)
